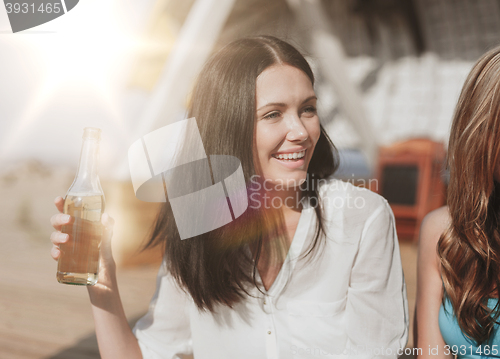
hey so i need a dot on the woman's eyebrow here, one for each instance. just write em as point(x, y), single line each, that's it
point(309, 99)
point(272, 104)
point(283, 104)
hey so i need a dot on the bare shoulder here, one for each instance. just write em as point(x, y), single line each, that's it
point(433, 225)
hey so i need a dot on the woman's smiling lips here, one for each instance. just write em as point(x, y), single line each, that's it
point(291, 158)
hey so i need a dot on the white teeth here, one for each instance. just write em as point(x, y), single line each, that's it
point(290, 156)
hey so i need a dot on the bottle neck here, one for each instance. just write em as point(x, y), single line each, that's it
point(87, 180)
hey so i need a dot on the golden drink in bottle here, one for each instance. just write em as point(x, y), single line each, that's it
point(79, 260)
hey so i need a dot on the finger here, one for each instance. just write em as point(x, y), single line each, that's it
point(58, 237)
point(59, 202)
point(55, 252)
point(60, 219)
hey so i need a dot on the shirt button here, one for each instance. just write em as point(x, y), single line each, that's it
point(269, 332)
point(264, 302)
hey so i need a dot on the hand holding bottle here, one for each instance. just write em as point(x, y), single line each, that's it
point(58, 238)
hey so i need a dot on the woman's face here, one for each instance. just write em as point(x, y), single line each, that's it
point(286, 127)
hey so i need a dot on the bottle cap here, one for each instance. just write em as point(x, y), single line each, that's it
point(92, 133)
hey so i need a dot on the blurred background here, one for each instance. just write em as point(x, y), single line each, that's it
point(388, 72)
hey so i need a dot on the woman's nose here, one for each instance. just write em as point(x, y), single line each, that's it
point(296, 130)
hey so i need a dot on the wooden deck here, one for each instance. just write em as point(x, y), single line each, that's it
point(42, 319)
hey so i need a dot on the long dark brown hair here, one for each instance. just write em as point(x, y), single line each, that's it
point(469, 250)
point(216, 267)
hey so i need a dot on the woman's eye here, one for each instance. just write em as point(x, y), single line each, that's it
point(272, 115)
point(310, 110)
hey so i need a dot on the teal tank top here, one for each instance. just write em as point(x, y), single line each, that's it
point(459, 344)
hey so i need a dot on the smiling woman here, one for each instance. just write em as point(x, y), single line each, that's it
point(287, 125)
point(246, 290)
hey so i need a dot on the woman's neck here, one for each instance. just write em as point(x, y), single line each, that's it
point(271, 203)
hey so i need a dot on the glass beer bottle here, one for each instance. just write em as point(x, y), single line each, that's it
point(79, 259)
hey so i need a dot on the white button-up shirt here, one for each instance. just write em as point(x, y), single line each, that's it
point(348, 300)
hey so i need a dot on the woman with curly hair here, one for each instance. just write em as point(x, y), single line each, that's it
point(457, 308)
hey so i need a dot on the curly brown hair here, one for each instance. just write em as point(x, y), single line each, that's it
point(469, 250)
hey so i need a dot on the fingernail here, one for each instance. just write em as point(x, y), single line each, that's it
point(63, 237)
point(67, 217)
